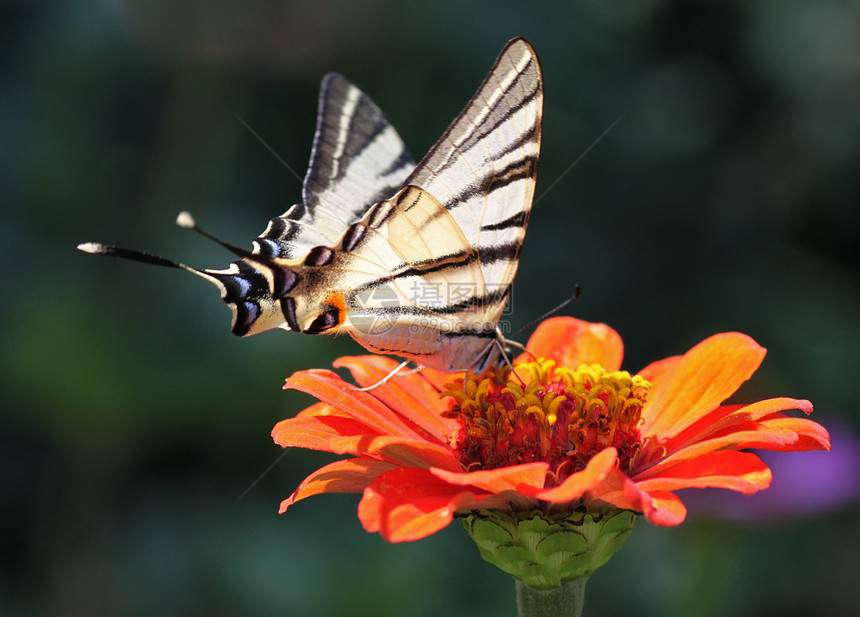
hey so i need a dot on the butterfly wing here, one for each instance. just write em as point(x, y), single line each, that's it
point(482, 174)
point(365, 283)
point(357, 160)
point(427, 273)
point(483, 171)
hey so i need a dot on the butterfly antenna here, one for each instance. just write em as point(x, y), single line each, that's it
point(552, 311)
point(183, 220)
point(96, 248)
point(187, 221)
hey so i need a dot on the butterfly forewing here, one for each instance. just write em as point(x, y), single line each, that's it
point(484, 167)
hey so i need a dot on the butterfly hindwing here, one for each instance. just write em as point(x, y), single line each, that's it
point(383, 282)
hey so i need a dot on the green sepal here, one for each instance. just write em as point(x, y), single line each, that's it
point(543, 550)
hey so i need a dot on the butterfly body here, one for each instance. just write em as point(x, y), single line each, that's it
point(409, 260)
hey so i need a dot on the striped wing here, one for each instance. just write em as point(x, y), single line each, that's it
point(371, 274)
point(357, 160)
point(483, 171)
point(427, 274)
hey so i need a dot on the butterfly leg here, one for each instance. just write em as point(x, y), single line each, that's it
point(386, 378)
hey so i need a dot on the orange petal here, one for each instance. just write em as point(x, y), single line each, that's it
point(666, 510)
point(438, 379)
point(616, 489)
point(316, 433)
point(321, 409)
point(726, 417)
point(571, 342)
point(702, 379)
point(348, 476)
point(750, 435)
point(505, 481)
point(760, 409)
point(348, 436)
point(403, 452)
point(655, 371)
point(739, 471)
point(409, 504)
point(577, 484)
point(754, 426)
point(407, 393)
point(329, 388)
point(810, 435)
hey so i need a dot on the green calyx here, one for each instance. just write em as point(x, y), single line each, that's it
point(543, 550)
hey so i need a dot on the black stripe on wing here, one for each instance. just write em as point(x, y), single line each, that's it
point(494, 120)
point(490, 254)
point(352, 130)
point(494, 180)
point(466, 140)
point(464, 133)
point(499, 295)
point(357, 160)
point(517, 220)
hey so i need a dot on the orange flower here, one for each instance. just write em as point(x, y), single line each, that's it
point(562, 432)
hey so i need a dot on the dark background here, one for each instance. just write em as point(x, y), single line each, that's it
point(133, 422)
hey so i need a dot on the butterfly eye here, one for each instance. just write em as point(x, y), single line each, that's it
point(324, 321)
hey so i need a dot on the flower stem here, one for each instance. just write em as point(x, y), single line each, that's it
point(566, 600)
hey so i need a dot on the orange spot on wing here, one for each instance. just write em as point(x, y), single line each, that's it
point(337, 300)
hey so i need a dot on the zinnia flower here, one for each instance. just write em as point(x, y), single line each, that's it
point(566, 433)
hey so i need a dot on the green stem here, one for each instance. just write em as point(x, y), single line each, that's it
point(566, 600)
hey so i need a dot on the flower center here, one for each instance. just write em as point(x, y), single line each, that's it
point(561, 416)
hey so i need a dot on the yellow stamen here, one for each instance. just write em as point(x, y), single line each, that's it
point(546, 413)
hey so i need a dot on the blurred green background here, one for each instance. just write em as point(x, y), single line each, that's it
point(133, 422)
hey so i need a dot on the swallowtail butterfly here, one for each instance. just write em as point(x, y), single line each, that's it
point(411, 260)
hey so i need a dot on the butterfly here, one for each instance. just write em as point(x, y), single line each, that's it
point(410, 260)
